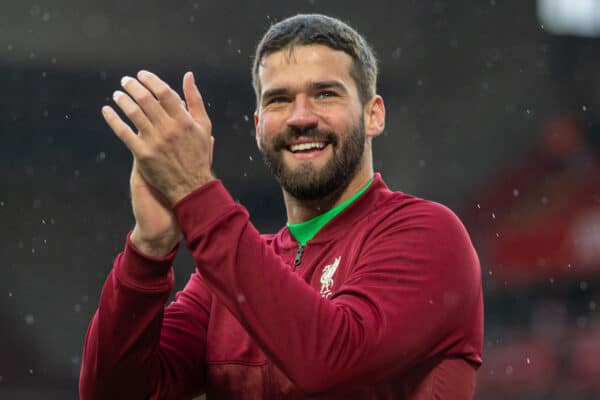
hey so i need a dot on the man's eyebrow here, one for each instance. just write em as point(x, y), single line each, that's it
point(311, 86)
point(328, 85)
point(274, 92)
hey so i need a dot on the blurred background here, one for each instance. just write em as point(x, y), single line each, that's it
point(493, 109)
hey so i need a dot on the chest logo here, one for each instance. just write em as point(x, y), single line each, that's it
point(327, 277)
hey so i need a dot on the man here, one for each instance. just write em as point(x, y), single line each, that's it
point(366, 294)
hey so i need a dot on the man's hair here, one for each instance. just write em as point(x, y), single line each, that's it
point(308, 29)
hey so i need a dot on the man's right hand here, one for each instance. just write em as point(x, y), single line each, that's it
point(156, 231)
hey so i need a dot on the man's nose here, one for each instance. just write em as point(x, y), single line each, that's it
point(302, 116)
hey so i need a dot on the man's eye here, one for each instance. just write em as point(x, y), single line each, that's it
point(325, 94)
point(279, 99)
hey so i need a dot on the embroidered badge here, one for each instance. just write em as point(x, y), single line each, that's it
point(327, 277)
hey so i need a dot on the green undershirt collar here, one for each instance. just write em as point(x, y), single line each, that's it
point(305, 231)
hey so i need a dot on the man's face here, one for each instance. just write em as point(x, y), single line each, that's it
point(310, 125)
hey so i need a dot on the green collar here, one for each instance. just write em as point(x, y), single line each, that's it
point(305, 231)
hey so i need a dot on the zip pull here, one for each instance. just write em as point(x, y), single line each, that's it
point(298, 258)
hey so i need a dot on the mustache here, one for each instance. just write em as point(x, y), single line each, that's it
point(282, 140)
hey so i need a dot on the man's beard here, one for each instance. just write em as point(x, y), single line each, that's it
point(305, 182)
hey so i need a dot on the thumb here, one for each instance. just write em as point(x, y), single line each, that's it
point(193, 98)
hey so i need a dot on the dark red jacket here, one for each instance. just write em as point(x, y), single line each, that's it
point(385, 304)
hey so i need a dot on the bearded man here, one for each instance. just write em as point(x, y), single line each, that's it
point(364, 294)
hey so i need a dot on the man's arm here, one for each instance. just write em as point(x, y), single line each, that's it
point(137, 349)
point(416, 285)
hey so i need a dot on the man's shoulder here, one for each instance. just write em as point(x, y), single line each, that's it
point(398, 210)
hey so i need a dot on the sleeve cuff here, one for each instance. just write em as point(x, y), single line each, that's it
point(202, 206)
point(145, 272)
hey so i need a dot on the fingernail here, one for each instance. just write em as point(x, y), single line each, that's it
point(104, 110)
point(143, 74)
point(124, 80)
point(117, 94)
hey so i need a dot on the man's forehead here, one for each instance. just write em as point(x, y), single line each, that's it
point(306, 60)
point(300, 54)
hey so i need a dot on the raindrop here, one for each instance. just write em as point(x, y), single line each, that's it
point(9, 47)
point(29, 319)
point(46, 17)
point(45, 113)
point(478, 205)
point(246, 118)
point(77, 308)
point(515, 192)
point(53, 60)
point(192, 19)
point(509, 370)
point(584, 107)
point(551, 280)
point(422, 163)
point(1, 204)
point(67, 116)
point(101, 156)
point(43, 221)
point(593, 306)
point(31, 371)
point(250, 158)
point(583, 285)
point(493, 216)
point(544, 200)
point(241, 298)
point(10, 294)
point(528, 360)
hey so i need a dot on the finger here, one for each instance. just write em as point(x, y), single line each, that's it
point(169, 99)
point(212, 148)
point(144, 98)
point(121, 129)
point(193, 98)
point(133, 111)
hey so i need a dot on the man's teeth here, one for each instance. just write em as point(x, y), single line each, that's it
point(306, 146)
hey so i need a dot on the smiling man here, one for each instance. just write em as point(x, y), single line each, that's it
point(365, 294)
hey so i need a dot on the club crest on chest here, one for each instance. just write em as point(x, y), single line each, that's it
point(327, 277)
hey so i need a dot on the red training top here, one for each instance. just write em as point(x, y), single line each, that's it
point(385, 303)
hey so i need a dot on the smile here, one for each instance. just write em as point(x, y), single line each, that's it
point(295, 148)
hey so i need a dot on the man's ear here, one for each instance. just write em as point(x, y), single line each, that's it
point(374, 117)
point(256, 129)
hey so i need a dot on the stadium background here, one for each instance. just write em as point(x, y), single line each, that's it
point(492, 109)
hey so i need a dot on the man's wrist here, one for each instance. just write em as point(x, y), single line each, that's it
point(154, 248)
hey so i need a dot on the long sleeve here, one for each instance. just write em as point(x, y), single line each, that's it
point(134, 347)
point(415, 285)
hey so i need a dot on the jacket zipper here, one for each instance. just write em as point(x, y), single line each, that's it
point(299, 253)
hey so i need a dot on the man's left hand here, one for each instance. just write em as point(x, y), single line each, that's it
point(173, 145)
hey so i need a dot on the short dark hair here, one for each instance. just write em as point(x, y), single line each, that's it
point(307, 29)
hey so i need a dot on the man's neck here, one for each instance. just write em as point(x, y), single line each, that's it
point(303, 210)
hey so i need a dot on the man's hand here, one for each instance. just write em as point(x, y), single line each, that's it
point(173, 146)
point(156, 231)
